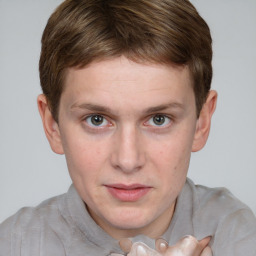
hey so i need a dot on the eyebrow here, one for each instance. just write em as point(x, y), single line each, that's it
point(92, 107)
point(104, 109)
point(173, 105)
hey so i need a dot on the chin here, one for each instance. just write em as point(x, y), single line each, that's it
point(131, 219)
point(129, 226)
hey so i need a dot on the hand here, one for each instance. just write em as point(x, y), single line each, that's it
point(187, 246)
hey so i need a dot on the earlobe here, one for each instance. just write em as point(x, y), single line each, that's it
point(51, 127)
point(204, 122)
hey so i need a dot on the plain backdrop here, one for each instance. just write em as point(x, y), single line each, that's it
point(30, 172)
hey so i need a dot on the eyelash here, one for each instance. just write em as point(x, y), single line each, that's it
point(166, 118)
point(98, 126)
point(88, 120)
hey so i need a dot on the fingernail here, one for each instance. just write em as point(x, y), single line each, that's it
point(161, 245)
point(141, 251)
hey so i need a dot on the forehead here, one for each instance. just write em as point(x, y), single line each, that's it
point(123, 80)
point(122, 69)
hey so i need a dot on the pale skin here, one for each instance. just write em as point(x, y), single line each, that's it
point(187, 246)
point(127, 131)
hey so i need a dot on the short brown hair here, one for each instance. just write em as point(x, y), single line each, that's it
point(162, 31)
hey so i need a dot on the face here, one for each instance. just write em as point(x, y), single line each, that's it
point(127, 131)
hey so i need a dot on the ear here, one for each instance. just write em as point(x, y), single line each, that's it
point(204, 122)
point(51, 127)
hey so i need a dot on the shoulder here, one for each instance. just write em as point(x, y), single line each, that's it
point(31, 216)
point(217, 202)
point(28, 225)
point(219, 213)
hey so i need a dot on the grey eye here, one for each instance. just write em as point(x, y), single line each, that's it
point(96, 120)
point(159, 119)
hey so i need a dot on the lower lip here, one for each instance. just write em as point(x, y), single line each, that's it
point(128, 195)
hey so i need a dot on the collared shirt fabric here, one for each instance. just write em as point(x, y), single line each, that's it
point(61, 226)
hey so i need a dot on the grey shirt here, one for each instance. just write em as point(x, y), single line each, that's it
point(62, 226)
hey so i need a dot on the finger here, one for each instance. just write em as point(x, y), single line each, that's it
point(188, 242)
point(125, 244)
point(206, 252)
point(161, 245)
point(138, 249)
point(204, 242)
point(188, 246)
point(141, 249)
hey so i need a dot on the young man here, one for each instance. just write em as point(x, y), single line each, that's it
point(126, 97)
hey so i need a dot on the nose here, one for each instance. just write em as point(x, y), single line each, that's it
point(128, 155)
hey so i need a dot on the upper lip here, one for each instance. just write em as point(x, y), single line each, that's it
point(127, 187)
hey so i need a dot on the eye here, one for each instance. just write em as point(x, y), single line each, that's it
point(159, 120)
point(96, 121)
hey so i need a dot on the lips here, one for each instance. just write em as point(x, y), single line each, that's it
point(128, 193)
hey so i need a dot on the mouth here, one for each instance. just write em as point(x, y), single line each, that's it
point(128, 193)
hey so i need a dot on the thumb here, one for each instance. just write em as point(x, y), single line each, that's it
point(207, 251)
point(188, 246)
point(204, 242)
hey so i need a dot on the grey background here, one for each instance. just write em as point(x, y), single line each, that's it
point(30, 172)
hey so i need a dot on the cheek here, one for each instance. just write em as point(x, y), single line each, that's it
point(84, 157)
point(171, 160)
point(171, 154)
